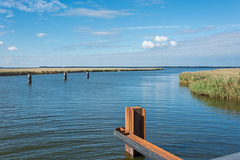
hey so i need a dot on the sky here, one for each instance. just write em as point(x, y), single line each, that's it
point(37, 33)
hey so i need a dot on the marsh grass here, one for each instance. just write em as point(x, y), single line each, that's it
point(222, 83)
point(25, 71)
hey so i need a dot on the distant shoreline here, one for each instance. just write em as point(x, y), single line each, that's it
point(25, 71)
point(122, 67)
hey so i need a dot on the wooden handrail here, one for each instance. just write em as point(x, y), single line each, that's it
point(144, 147)
point(133, 135)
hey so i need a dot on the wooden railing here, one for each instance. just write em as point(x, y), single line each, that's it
point(133, 135)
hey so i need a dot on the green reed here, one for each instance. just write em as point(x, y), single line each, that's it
point(213, 85)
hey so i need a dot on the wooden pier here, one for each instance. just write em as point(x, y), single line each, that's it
point(133, 135)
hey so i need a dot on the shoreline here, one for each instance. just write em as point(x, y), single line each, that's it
point(214, 67)
point(34, 71)
point(218, 83)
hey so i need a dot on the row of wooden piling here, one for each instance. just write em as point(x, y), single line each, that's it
point(29, 76)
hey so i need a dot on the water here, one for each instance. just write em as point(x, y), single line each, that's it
point(74, 119)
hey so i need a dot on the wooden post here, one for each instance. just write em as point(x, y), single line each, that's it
point(65, 76)
point(133, 135)
point(134, 124)
point(87, 74)
point(29, 78)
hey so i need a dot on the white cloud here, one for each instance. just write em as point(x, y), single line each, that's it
point(94, 13)
point(12, 48)
point(1, 26)
point(103, 33)
point(8, 12)
point(1, 42)
point(41, 34)
point(173, 43)
point(148, 44)
point(33, 5)
point(163, 42)
point(161, 39)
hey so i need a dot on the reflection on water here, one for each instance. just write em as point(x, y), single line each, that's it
point(229, 106)
point(184, 84)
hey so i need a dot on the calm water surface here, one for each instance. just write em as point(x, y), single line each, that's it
point(74, 119)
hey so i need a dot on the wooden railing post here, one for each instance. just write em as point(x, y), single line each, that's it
point(134, 124)
point(133, 135)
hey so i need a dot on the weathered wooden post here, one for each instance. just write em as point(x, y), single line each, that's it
point(87, 74)
point(134, 124)
point(133, 135)
point(65, 76)
point(29, 78)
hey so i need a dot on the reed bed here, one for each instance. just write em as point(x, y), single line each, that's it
point(25, 71)
point(222, 83)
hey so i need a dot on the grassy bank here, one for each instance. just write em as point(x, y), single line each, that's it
point(25, 71)
point(223, 83)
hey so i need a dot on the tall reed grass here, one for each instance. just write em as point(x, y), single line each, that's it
point(216, 83)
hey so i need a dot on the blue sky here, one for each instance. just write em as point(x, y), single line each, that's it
point(119, 33)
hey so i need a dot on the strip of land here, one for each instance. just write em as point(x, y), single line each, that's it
point(25, 71)
point(223, 83)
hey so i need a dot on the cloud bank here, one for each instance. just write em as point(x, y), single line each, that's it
point(8, 13)
point(33, 5)
point(101, 13)
point(215, 50)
